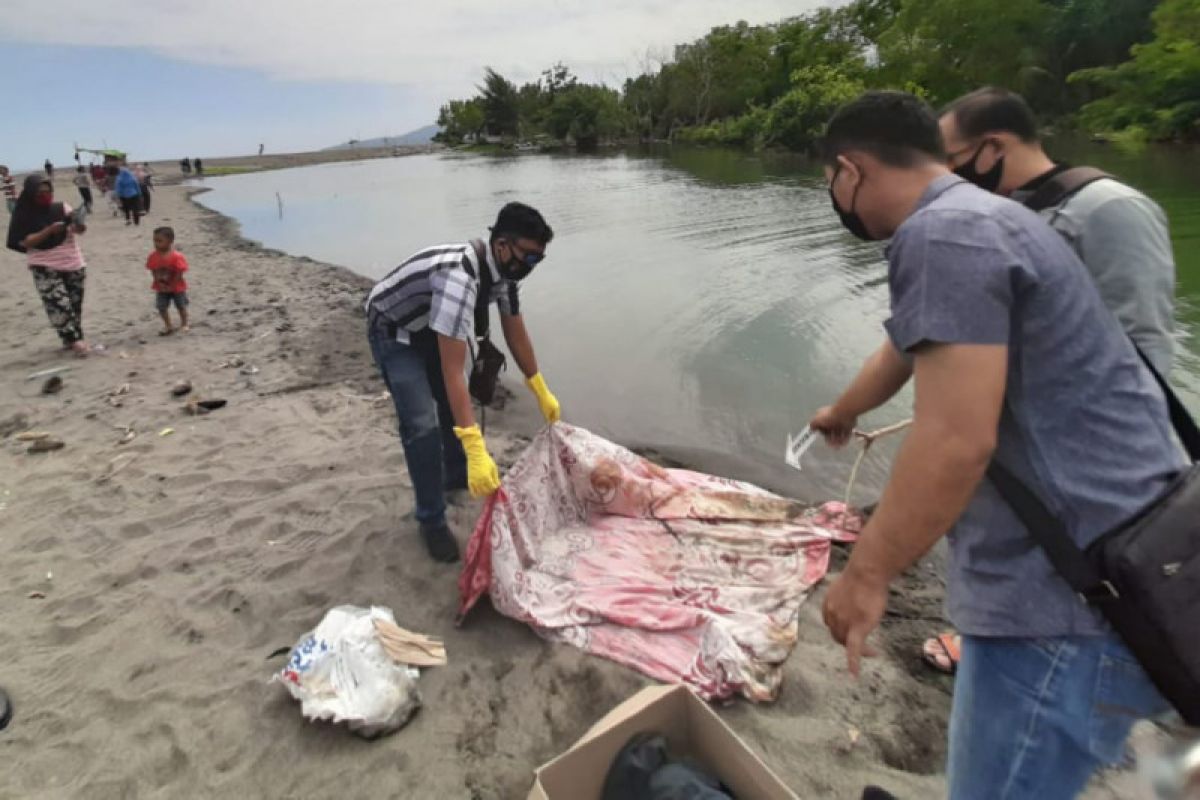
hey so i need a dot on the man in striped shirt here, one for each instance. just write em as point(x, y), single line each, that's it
point(421, 320)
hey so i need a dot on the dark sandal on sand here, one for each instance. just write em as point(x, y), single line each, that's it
point(943, 652)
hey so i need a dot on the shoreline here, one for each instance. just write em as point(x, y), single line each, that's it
point(147, 581)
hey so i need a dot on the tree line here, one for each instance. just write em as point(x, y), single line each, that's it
point(1129, 68)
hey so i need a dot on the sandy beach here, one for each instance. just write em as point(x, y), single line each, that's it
point(146, 582)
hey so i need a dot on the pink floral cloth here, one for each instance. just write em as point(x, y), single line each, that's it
point(687, 577)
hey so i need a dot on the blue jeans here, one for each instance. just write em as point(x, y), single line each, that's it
point(436, 462)
point(1034, 718)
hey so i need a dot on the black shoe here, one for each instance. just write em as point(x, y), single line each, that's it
point(439, 541)
point(5, 710)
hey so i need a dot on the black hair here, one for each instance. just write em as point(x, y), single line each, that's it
point(167, 231)
point(896, 127)
point(519, 221)
point(993, 110)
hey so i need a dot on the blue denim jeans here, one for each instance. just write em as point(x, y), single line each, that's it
point(1034, 718)
point(436, 462)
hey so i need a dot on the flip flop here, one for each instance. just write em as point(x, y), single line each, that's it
point(6, 711)
point(943, 652)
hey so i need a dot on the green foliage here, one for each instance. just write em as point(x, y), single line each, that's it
point(501, 104)
point(775, 85)
point(797, 119)
point(460, 120)
point(1158, 91)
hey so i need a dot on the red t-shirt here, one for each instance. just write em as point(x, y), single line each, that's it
point(168, 271)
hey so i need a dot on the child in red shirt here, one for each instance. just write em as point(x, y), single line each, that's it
point(168, 266)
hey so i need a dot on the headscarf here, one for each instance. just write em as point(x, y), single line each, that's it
point(28, 217)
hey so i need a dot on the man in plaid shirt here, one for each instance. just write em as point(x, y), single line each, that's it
point(421, 319)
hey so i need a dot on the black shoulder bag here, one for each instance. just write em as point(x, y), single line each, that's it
point(1143, 576)
point(489, 361)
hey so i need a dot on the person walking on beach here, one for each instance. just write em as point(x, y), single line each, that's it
point(10, 189)
point(168, 265)
point(421, 322)
point(1119, 234)
point(84, 186)
point(49, 168)
point(990, 310)
point(144, 179)
point(129, 193)
point(46, 233)
point(185, 166)
point(198, 165)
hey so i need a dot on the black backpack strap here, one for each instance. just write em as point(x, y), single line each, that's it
point(1051, 535)
point(1062, 186)
point(1185, 426)
point(483, 317)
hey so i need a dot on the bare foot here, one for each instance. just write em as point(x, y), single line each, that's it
point(166, 331)
point(186, 329)
point(81, 348)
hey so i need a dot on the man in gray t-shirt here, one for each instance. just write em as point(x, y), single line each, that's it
point(1120, 234)
point(1015, 357)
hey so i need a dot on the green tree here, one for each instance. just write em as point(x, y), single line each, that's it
point(1158, 90)
point(460, 119)
point(797, 119)
point(951, 47)
point(501, 104)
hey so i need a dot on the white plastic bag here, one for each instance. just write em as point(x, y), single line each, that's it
point(341, 672)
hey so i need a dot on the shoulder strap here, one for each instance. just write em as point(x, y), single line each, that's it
point(483, 317)
point(1062, 186)
point(1185, 426)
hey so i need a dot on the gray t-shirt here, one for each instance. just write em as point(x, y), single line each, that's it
point(1122, 238)
point(1084, 424)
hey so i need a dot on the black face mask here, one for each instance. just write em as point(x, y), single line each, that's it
point(850, 219)
point(988, 181)
point(516, 268)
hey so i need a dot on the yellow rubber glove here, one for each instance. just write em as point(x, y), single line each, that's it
point(483, 479)
point(546, 401)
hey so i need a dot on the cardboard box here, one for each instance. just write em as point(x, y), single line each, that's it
point(692, 730)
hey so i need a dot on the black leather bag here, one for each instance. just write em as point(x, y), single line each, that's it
point(1144, 576)
point(489, 361)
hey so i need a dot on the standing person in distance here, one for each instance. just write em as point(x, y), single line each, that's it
point(421, 320)
point(1014, 357)
point(10, 189)
point(84, 185)
point(49, 169)
point(129, 193)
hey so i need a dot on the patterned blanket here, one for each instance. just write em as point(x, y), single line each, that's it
point(687, 577)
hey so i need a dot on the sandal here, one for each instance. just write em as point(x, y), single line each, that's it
point(943, 652)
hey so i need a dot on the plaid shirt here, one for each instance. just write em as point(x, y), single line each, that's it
point(437, 288)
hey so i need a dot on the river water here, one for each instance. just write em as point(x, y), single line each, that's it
point(702, 303)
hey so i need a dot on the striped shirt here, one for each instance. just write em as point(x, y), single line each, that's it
point(436, 288)
point(67, 257)
point(10, 188)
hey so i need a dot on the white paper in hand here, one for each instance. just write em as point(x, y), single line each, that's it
point(798, 445)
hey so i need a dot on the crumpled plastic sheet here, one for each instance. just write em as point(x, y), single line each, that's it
point(687, 577)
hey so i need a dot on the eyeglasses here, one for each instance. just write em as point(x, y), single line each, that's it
point(530, 259)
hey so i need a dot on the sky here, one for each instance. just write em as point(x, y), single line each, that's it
point(174, 78)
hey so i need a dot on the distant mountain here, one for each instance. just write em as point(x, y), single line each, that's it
point(419, 136)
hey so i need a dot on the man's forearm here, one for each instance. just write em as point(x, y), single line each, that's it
point(459, 398)
point(934, 477)
point(880, 378)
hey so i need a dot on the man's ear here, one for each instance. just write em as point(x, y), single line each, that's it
point(849, 167)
